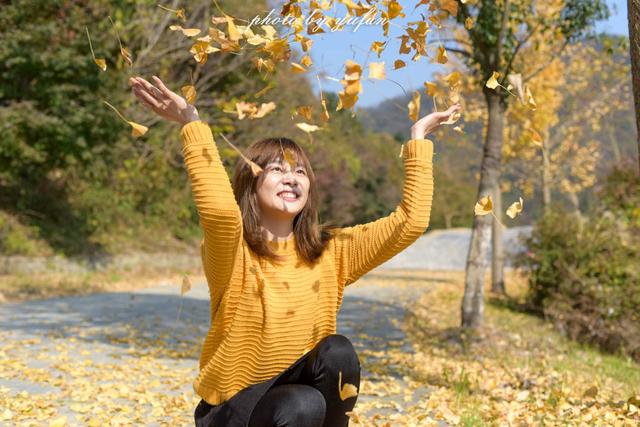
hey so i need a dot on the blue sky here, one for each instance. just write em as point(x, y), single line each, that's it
point(330, 51)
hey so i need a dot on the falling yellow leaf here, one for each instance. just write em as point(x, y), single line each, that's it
point(189, 32)
point(255, 168)
point(515, 82)
point(414, 106)
point(399, 63)
point(483, 206)
point(290, 157)
point(492, 83)
point(453, 118)
point(531, 103)
point(430, 88)
point(536, 139)
point(458, 129)
point(377, 47)
point(515, 209)
point(124, 52)
point(306, 61)
point(454, 79)
point(136, 128)
point(306, 127)
point(376, 70)
point(234, 34)
point(468, 23)
point(189, 93)
point(346, 390)
point(297, 68)
point(325, 112)
point(100, 62)
point(180, 13)
point(305, 111)
point(186, 285)
point(442, 57)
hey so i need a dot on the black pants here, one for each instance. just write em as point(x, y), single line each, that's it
point(309, 395)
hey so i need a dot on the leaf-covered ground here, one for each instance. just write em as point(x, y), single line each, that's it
point(126, 359)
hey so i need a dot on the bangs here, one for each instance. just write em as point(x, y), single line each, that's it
point(272, 150)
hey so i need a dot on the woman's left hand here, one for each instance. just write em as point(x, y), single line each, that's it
point(431, 122)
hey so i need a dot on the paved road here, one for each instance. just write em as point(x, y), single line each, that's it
point(74, 356)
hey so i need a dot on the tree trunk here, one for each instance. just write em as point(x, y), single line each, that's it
point(546, 177)
point(473, 301)
point(633, 10)
point(497, 254)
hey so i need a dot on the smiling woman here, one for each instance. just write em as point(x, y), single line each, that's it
point(272, 355)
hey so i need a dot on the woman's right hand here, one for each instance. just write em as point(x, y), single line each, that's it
point(167, 104)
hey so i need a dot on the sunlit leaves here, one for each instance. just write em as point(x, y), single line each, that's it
point(189, 93)
point(442, 57)
point(185, 286)
point(255, 168)
point(376, 71)
point(124, 52)
point(399, 63)
point(100, 62)
point(492, 83)
point(414, 106)
point(515, 209)
point(484, 206)
point(352, 85)
point(252, 111)
point(180, 13)
point(136, 128)
point(188, 32)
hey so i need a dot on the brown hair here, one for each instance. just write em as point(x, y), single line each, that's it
point(311, 237)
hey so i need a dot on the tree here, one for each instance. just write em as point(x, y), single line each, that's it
point(633, 8)
point(496, 33)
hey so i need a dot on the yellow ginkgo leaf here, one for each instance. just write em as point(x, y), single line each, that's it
point(290, 157)
point(536, 139)
point(306, 61)
point(430, 88)
point(442, 57)
point(189, 93)
point(459, 129)
point(234, 34)
point(264, 109)
point(324, 116)
point(483, 206)
point(255, 168)
point(515, 81)
point(515, 209)
point(346, 390)
point(306, 127)
point(530, 102)
point(377, 47)
point(58, 422)
point(137, 129)
point(376, 71)
point(100, 62)
point(126, 55)
point(454, 117)
point(414, 106)
point(492, 83)
point(468, 23)
point(186, 285)
point(454, 79)
point(297, 68)
point(180, 13)
point(399, 63)
point(305, 111)
point(189, 32)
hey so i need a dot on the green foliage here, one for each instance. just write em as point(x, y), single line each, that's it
point(584, 276)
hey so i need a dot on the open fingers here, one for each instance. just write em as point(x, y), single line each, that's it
point(162, 86)
point(146, 98)
point(151, 89)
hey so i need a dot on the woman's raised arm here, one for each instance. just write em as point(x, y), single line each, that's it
point(363, 247)
point(220, 216)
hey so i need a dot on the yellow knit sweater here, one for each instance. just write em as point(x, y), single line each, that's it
point(265, 316)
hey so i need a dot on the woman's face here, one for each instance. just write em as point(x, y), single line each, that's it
point(282, 192)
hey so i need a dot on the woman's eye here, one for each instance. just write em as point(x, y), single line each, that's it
point(276, 168)
point(302, 171)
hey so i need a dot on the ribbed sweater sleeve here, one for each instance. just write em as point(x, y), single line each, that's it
point(363, 247)
point(220, 216)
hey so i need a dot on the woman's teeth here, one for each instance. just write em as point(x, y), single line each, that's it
point(288, 195)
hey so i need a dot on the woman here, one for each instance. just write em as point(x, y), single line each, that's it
point(276, 277)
